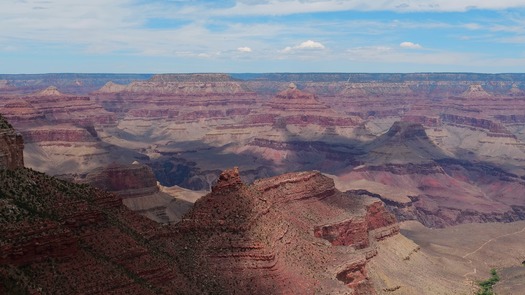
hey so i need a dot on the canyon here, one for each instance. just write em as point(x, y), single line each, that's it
point(292, 233)
point(443, 149)
point(433, 151)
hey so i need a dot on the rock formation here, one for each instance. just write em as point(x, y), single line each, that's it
point(11, 146)
point(267, 237)
point(296, 107)
point(49, 91)
point(111, 87)
point(127, 180)
point(136, 184)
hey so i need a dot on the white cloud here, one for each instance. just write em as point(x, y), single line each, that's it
point(306, 45)
point(285, 7)
point(410, 45)
point(244, 49)
point(310, 45)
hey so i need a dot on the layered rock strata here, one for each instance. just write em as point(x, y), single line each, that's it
point(268, 237)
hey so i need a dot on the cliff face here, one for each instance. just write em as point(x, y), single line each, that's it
point(11, 146)
point(51, 229)
point(132, 180)
point(268, 238)
point(137, 186)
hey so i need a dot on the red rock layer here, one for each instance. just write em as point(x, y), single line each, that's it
point(262, 239)
point(179, 98)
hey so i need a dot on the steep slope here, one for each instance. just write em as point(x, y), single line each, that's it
point(60, 238)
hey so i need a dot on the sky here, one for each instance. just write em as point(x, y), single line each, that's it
point(257, 36)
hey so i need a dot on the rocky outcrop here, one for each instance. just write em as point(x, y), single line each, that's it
point(351, 232)
point(402, 131)
point(132, 180)
point(49, 91)
point(11, 146)
point(228, 179)
point(111, 87)
point(418, 180)
point(250, 236)
point(476, 91)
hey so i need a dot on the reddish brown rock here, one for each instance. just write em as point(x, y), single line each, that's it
point(250, 236)
point(132, 180)
point(53, 229)
point(356, 277)
point(37, 241)
point(491, 126)
point(228, 179)
point(351, 232)
point(11, 146)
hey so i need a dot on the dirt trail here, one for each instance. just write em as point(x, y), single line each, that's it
point(481, 247)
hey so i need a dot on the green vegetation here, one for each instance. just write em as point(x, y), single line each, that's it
point(486, 286)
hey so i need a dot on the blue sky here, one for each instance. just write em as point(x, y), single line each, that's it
point(161, 36)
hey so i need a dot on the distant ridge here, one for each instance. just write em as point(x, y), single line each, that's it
point(211, 77)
